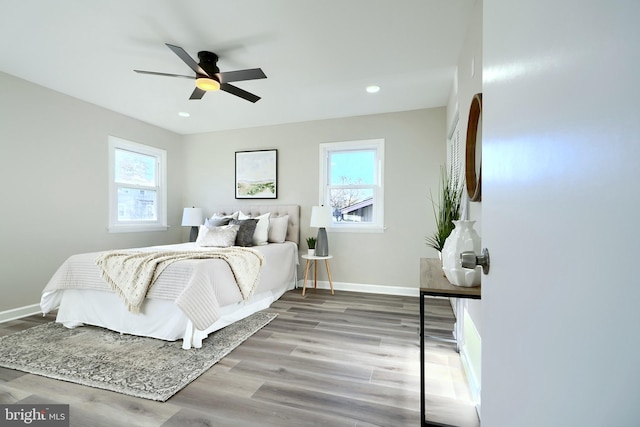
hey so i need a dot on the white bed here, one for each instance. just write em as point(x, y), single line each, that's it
point(83, 297)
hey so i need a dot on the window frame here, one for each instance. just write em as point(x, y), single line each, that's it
point(456, 162)
point(377, 225)
point(160, 224)
point(455, 152)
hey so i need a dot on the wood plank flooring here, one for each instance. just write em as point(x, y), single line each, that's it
point(350, 359)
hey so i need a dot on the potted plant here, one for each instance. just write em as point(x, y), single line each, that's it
point(446, 209)
point(311, 243)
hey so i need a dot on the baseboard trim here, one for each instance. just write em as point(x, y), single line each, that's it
point(471, 374)
point(17, 313)
point(29, 310)
point(359, 287)
point(466, 354)
point(472, 379)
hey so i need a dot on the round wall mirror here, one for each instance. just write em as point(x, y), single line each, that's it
point(473, 150)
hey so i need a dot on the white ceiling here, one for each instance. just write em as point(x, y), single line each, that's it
point(318, 55)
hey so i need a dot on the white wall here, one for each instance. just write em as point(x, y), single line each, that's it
point(414, 151)
point(53, 169)
point(468, 83)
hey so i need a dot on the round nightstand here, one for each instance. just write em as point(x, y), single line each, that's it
point(314, 259)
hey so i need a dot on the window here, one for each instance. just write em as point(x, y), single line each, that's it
point(351, 182)
point(455, 159)
point(456, 162)
point(137, 187)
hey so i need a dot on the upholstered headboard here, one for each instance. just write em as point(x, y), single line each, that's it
point(293, 229)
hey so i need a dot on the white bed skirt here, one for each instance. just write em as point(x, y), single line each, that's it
point(83, 298)
point(160, 319)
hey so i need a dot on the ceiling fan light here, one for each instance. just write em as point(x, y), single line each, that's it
point(206, 83)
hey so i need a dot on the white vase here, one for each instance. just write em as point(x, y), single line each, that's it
point(463, 238)
point(311, 252)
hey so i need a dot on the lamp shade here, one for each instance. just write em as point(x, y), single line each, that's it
point(321, 216)
point(192, 217)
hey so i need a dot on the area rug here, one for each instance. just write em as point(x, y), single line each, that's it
point(136, 366)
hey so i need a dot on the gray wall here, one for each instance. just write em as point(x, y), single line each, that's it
point(53, 165)
point(414, 150)
point(53, 169)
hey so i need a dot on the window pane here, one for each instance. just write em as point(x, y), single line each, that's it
point(136, 205)
point(135, 168)
point(352, 167)
point(352, 205)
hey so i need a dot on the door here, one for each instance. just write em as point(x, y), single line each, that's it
point(561, 172)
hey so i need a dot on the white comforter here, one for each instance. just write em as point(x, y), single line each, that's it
point(213, 279)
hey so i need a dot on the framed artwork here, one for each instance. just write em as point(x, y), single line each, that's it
point(257, 174)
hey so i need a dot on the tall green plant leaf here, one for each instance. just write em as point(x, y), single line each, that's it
point(446, 209)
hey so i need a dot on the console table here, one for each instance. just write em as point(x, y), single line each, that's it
point(433, 283)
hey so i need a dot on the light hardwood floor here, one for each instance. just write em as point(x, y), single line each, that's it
point(351, 359)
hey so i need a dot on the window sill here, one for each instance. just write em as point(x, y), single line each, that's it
point(136, 228)
point(356, 229)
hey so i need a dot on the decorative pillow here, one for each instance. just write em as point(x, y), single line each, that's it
point(261, 234)
point(221, 237)
point(230, 216)
point(216, 221)
point(278, 229)
point(245, 233)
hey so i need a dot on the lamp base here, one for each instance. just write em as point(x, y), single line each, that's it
point(194, 234)
point(322, 244)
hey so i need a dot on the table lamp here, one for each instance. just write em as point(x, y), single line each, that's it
point(321, 218)
point(192, 217)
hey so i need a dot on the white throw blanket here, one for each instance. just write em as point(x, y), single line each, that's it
point(131, 274)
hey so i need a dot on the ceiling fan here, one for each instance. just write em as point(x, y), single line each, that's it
point(208, 76)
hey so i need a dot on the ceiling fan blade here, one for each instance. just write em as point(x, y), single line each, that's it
point(197, 93)
point(236, 76)
point(154, 73)
point(239, 92)
point(182, 54)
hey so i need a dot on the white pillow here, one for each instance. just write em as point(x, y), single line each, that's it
point(261, 235)
point(221, 237)
point(278, 229)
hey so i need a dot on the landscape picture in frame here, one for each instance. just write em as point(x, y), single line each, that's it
point(257, 174)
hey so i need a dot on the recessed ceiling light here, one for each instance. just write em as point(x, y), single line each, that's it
point(373, 89)
point(184, 114)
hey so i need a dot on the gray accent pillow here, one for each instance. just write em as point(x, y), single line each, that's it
point(216, 221)
point(245, 233)
point(261, 234)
